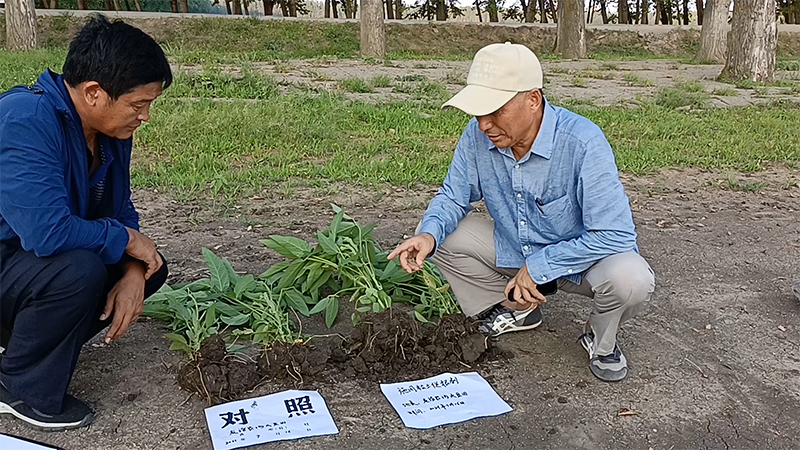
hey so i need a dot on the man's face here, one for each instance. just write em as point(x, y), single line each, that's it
point(512, 123)
point(121, 117)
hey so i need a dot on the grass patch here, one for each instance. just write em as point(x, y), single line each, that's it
point(213, 83)
point(596, 74)
point(635, 80)
point(790, 65)
point(725, 92)
point(609, 66)
point(357, 85)
point(579, 82)
point(382, 81)
point(410, 78)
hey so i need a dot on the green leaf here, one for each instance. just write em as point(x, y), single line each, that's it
point(274, 273)
point(320, 306)
point(211, 316)
point(331, 311)
point(226, 309)
point(337, 221)
point(245, 283)
point(420, 317)
point(289, 247)
point(376, 307)
point(295, 300)
point(236, 321)
point(234, 277)
point(363, 309)
point(220, 276)
point(197, 286)
point(178, 342)
point(292, 274)
point(328, 244)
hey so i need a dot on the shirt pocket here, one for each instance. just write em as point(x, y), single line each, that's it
point(557, 219)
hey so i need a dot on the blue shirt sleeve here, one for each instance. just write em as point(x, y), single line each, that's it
point(459, 190)
point(34, 201)
point(607, 218)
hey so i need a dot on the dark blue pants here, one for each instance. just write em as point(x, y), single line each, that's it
point(51, 306)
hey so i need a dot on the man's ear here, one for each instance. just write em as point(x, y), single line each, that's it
point(92, 93)
point(536, 99)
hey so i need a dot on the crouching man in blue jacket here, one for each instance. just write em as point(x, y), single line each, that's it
point(72, 259)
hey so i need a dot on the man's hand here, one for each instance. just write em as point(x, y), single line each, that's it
point(125, 301)
point(142, 248)
point(413, 252)
point(525, 289)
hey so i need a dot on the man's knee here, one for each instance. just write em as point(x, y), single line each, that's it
point(80, 277)
point(627, 284)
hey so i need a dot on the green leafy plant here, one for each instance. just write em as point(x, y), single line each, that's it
point(347, 262)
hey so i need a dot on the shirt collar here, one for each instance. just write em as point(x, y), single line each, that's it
point(543, 144)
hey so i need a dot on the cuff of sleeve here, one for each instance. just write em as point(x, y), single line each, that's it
point(116, 243)
point(435, 231)
point(539, 269)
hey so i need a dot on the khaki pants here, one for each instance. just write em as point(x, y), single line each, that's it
point(620, 285)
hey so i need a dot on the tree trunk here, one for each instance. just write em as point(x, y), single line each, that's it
point(184, 4)
point(644, 12)
point(246, 8)
point(441, 10)
point(117, 7)
point(700, 12)
point(553, 11)
point(237, 7)
point(348, 8)
point(373, 37)
point(753, 42)
point(530, 15)
point(478, 10)
point(624, 12)
point(21, 25)
point(335, 8)
point(109, 6)
point(491, 8)
point(604, 10)
point(390, 9)
point(398, 9)
point(81, 4)
point(269, 7)
point(571, 36)
point(228, 7)
point(53, 4)
point(686, 12)
point(127, 5)
point(713, 36)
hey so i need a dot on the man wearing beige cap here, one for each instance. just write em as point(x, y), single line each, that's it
point(560, 215)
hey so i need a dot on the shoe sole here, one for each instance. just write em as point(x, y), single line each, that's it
point(511, 330)
point(44, 426)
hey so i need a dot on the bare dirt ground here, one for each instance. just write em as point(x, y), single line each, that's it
point(714, 364)
point(598, 82)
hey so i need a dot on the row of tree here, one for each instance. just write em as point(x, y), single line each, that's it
point(666, 12)
point(749, 50)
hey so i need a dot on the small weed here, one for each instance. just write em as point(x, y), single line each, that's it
point(691, 86)
point(760, 91)
point(382, 81)
point(317, 76)
point(283, 67)
point(609, 66)
point(677, 98)
point(579, 82)
point(561, 70)
point(790, 65)
point(596, 74)
point(410, 78)
point(725, 92)
point(635, 80)
point(456, 77)
point(357, 85)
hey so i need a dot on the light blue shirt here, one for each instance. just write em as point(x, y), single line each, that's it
point(559, 209)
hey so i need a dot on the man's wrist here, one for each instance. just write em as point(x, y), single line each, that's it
point(134, 268)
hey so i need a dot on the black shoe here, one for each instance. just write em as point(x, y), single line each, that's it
point(500, 320)
point(74, 414)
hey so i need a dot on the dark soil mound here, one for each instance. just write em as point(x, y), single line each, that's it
point(385, 347)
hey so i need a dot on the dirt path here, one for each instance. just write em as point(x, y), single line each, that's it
point(602, 83)
point(711, 364)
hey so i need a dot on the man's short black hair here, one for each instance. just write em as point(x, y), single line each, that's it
point(117, 56)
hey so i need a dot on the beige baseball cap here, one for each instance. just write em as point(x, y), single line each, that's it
point(498, 73)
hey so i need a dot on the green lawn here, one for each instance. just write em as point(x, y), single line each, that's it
point(253, 137)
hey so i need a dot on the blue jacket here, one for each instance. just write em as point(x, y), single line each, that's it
point(44, 177)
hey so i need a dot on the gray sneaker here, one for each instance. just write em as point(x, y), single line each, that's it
point(613, 367)
point(500, 319)
point(75, 413)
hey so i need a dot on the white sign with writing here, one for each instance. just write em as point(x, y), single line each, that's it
point(10, 443)
point(444, 399)
point(277, 417)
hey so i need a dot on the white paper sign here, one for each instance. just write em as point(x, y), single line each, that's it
point(277, 417)
point(444, 399)
point(10, 443)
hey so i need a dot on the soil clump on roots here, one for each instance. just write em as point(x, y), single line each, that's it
point(386, 347)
